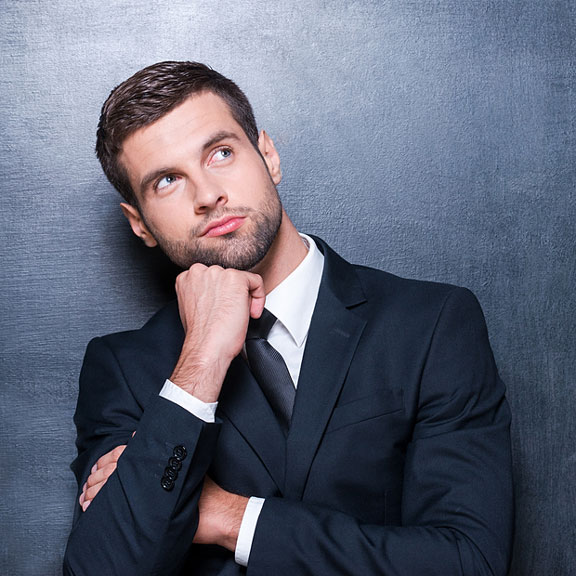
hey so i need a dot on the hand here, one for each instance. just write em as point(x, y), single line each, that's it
point(99, 475)
point(215, 305)
point(221, 515)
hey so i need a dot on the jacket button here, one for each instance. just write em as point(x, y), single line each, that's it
point(170, 473)
point(174, 463)
point(166, 483)
point(180, 453)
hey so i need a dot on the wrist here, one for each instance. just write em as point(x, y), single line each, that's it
point(230, 526)
point(200, 376)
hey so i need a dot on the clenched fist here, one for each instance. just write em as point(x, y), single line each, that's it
point(215, 306)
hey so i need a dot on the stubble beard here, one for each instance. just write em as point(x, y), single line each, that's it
point(241, 249)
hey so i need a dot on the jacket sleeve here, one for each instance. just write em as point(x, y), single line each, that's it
point(457, 502)
point(143, 520)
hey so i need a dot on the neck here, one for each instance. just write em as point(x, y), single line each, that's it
point(286, 253)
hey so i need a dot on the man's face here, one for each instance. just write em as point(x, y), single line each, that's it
point(204, 192)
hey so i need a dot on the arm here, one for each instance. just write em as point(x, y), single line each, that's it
point(457, 516)
point(128, 527)
point(457, 490)
point(137, 525)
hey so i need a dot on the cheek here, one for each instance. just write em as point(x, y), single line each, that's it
point(259, 186)
point(170, 220)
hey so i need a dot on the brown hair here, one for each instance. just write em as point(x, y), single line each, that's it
point(149, 95)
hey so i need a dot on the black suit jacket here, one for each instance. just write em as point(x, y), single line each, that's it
point(397, 461)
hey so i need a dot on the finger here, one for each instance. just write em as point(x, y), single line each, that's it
point(108, 458)
point(92, 491)
point(88, 494)
point(100, 474)
point(257, 295)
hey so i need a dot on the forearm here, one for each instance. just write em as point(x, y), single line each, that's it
point(133, 512)
point(456, 515)
point(297, 538)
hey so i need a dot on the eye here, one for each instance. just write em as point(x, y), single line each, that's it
point(220, 155)
point(165, 181)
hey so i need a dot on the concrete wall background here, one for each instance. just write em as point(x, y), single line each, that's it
point(432, 139)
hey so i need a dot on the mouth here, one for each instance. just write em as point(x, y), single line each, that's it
point(223, 226)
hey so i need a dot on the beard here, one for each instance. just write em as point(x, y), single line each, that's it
point(242, 249)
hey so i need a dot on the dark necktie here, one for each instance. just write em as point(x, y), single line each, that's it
point(269, 369)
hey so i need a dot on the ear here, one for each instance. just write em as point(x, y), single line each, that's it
point(271, 157)
point(137, 224)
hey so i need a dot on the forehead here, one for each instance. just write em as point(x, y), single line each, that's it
point(197, 113)
point(183, 130)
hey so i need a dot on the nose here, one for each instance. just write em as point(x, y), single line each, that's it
point(208, 195)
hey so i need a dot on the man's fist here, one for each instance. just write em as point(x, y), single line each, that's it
point(215, 306)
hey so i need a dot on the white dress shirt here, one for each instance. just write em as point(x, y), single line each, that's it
point(292, 302)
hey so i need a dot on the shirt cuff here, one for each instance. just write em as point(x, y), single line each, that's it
point(247, 529)
point(204, 410)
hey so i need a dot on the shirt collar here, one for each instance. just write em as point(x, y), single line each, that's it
point(294, 299)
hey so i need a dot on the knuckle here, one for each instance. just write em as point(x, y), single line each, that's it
point(102, 461)
point(91, 492)
point(107, 470)
point(181, 278)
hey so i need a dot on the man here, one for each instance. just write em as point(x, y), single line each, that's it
point(374, 440)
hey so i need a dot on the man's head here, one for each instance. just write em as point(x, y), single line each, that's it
point(149, 95)
point(180, 143)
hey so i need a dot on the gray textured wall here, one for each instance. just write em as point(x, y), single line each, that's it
point(434, 139)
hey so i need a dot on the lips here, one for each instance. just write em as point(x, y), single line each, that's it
point(223, 226)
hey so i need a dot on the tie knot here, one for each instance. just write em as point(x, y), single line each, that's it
point(260, 327)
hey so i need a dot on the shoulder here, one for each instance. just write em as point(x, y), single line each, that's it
point(163, 326)
point(417, 310)
point(156, 344)
point(383, 291)
point(409, 292)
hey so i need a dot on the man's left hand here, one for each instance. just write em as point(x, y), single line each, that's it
point(99, 475)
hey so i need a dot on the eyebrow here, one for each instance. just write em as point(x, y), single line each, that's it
point(218, 137)
point(149, 177)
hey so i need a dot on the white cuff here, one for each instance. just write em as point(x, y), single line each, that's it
point(204, 410)
point(247, 529)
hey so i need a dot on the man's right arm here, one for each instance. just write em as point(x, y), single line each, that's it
point(145, 517)
point(128, 528)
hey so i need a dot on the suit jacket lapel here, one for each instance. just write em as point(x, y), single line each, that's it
point(332, 340)
point(243, 403)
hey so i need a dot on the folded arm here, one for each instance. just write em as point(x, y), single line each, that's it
point(146, 512)
point(135, 509)
point(457, 500)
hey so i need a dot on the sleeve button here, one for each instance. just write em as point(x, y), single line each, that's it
point(170, 473)
point(180, 453)
point(174, 463)
point(166, 483)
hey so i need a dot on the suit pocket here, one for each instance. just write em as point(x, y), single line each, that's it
point(381, 403)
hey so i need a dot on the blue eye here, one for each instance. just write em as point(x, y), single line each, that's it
point(165, 181)
point(222, 154)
